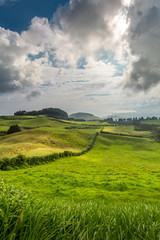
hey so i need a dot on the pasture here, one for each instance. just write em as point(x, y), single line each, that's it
point(110, 192)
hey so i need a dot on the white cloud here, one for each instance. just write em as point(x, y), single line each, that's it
point(100, 35)
point(16, 70)
point(80, 29)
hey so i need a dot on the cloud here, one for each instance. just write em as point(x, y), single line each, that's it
point(143, 75)
point(77, 36)
point(17, 71)
point(85, 28)
point(85, 19)
point(33, 94)
point(143, 40)
point(6, 81)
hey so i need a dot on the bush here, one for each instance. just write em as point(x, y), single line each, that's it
point(8, 168)
point(14, 129)
point(22, 161)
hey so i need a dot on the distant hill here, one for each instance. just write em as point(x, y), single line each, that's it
point(49, 112)
point(85, 116)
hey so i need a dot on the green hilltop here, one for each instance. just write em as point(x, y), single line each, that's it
point(84, 116)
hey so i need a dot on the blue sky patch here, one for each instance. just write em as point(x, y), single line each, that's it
point(17, 15)
point(81, 63)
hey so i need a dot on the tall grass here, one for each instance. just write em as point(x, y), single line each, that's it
point(23, 217)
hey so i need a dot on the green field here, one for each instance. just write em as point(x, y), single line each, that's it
point(111, 192)
point(117, 168)
point(156, 122)
point(42, 136)
point(126, 130)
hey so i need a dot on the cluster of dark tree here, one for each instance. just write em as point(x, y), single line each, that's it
point(14, 129)
point(22, 161)
point(49, 112)
point(129, 120)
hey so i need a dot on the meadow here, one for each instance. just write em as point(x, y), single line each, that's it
point(109, 192)
point(42, 136)
point(126, 130)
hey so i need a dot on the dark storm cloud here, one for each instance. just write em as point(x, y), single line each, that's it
point(10, 81)
point(6, 81)
point(142, 75)
point(148, 21)
point(84, 19)
point(144, 41)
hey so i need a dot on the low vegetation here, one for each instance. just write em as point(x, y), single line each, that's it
point(26, 218)
point(14, 129)
point(130, 130)
point(22, 161)
point(100, 182)
point(41, 136)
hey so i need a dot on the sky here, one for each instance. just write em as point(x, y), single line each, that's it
point(96, 56)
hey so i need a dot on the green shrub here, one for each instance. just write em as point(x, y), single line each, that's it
point(14, 129)
point(7, 168)
point(21, 161)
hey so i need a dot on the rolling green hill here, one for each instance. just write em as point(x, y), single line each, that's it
point(42, 136)
point(85, 116)
point(111, 192)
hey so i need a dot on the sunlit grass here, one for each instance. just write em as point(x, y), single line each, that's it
point(44, 140)
point(128, 130)
point(117, 168)
point(111, 192)
point(26, 218)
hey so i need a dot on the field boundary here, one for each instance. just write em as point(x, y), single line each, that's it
point(125, 135)
point(21, 161)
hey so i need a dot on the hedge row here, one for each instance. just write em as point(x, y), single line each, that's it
point(22, 161)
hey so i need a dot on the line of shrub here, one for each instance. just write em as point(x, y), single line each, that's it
point(22, 161)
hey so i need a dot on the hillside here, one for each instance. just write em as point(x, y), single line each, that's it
point(85, 116)
point(111, 190)
point(41, 136)
point(49, 112)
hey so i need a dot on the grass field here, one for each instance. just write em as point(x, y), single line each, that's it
point(156, 122)
point(42, 136)
point(26, 218)
point(117, 168)
point(111, 192)
point(126, 130)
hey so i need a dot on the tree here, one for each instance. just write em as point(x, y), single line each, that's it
point(14, 129)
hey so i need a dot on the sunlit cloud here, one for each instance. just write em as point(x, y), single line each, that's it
point(88, 48)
